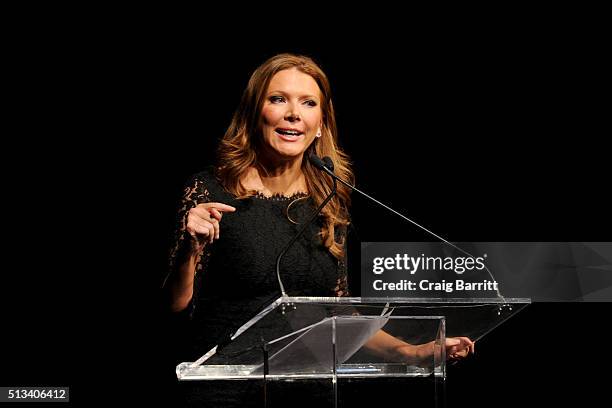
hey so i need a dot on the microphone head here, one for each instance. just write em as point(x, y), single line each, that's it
point(329, 163)
point(316, 160)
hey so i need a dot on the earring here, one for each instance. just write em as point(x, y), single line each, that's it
point(319, 133)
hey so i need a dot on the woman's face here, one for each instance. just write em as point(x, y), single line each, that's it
point(291, 114)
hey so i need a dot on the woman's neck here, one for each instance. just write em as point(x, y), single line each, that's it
point(280, 177)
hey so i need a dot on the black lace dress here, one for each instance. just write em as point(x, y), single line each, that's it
point(236, 275)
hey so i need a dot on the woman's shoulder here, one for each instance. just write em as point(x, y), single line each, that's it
point(206, 176)
point(206, 182)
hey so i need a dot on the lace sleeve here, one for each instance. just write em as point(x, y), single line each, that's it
point(342, 288)
point(195, 193)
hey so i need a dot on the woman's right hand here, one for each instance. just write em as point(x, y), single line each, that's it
point(203, 222)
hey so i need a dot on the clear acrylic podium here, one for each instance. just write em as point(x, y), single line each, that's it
point(340, 341)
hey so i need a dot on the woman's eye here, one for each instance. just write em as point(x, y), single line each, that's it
point(276, 99)
point(310, 102)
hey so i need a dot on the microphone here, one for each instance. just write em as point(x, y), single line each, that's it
point(329, 163)
point(328, 166)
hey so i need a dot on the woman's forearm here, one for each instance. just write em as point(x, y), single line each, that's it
point(390, 348)
point(180, 284)
point(393, 349)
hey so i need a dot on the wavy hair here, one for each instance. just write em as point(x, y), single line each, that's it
point(238, 149)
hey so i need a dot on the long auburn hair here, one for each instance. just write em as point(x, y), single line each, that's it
point(238, 149)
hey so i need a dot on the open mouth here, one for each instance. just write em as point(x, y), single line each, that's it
point(289, 135)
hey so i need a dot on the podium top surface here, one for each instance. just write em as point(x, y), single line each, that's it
point(403, 300)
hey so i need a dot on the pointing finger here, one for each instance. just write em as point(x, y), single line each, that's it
point(221, 207)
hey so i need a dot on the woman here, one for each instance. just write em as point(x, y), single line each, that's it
point(237, 216)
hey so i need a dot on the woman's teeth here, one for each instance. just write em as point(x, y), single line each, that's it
point(289, 132)
point(290, 135)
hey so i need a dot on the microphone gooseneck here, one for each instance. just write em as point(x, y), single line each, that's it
point(324, 165)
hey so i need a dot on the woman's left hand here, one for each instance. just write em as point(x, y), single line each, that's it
point(458, 347)
point(425, 354)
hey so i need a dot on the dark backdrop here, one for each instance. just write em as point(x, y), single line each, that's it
point(480, 135)
point(488, 139)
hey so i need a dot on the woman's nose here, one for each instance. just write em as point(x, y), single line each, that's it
point(292, 114)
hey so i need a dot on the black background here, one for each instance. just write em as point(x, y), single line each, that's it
point(491, 132)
